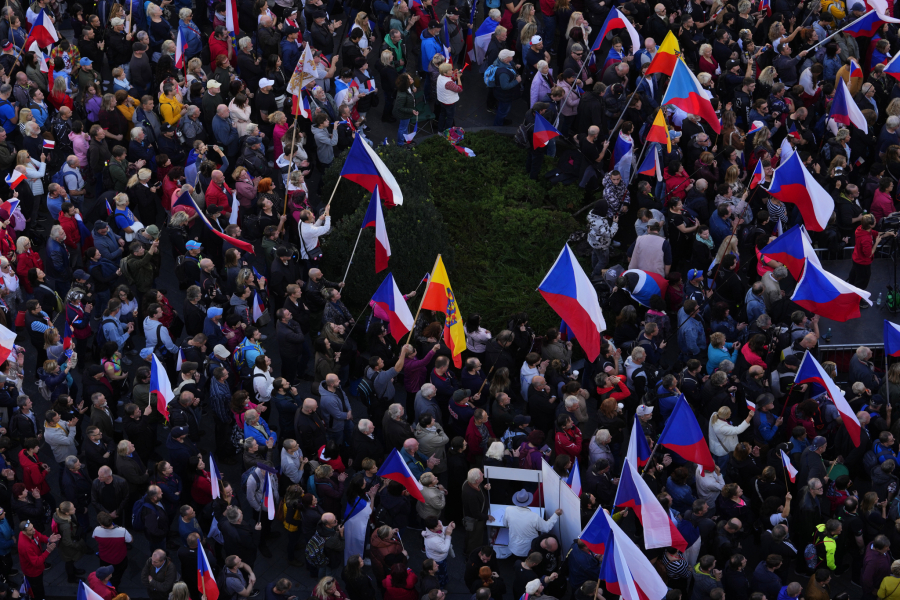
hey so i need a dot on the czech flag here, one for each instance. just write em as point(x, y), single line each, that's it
point(596, 533)
point(880, 7)
point(15, 178)
point(569, 292)
point(180, 49)
point(651, 165)
point(482, 39)
point(766, 5)
point(206, 581)
point(389, 306)
point(25, 590)
point(186, 200)
point(215, 476)
point(820, 292)
point(624, 146)
point(544, 131)
point(865, 26)
point(439, 297)
point(45, 65)
point(811, 371)
point(161, 386)
point(49, 144)
point(574, 479)
point(686, 93)
point(754, 127)
point(179, 359)
point(792, 183)
point(409, 136)
point(643, 284)
point(374, 218)
point(638, 452)
point(758, 175)
point(300, 105)
point(625, 569)
point(395, 469)
point(682, 435)
point(463, 150)
point(84, 592)
point(259, 306)
point(109, 209)
point(445, 39)
point(633, 493)
point(855, 70)
point(616, 20)
point(666, 56)
point(7, 342)
point(893, 67)
point(844, 110)
point(42, 31)
point(792, 249)
point(356, 518)
point(365, 168)
point(269, 497)
point(659, 130)
point(891, 338)
point(11, 205)
point(786, 462)
point(750, 405)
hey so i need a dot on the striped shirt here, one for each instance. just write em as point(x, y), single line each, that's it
point(678, 568)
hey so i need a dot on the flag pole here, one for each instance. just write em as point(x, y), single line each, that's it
point(333, 191)
point(615, 128)
point(203, 584)
point(293, 149)
point(637, 165)
point(359, 235)
point(357, 319)
point(416, 318)
point(784, 470)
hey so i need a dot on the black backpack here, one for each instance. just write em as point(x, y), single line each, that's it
point(251, 228)
point(100, 337)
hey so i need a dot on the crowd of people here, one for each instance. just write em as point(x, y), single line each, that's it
point(269, 369)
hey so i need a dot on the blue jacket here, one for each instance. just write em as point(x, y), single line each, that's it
point(58, 261)
point(190, 36)
point(755, 307)
point(583, 566)
point(290, 56)
point(226, 135)
point(6, 537)
point(115, 331)
point(718, 229)
point(287, 407)
point(666, 401)
point(430, 47)
point(691, 336)
point(765, 425)
point(682, 498)
point(717, 355)
point(417, 464)
point(213, 333)
point(108, 245)
point(253, 432)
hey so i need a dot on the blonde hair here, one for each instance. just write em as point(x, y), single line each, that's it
point(729, 244)
point(717, 339)
point(495, 451)
point(25, 113)
point(277, 117)
point(723, 413)
point(387, 57)
point(445, 68)
point(705, 49)
point(768, 74)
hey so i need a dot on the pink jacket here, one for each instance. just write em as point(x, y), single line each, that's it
point(882, 205)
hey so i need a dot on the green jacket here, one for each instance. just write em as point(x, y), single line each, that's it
point(404, 105)
point(826, 548)
point(399, 51)
point(119, 173)
point(139, 269)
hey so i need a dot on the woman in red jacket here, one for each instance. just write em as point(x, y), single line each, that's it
point(32, 555)
point(27, 259)
point(34, 472)
point(70, 225)
point(400, 584)
point(754, 352)
point(201, 482)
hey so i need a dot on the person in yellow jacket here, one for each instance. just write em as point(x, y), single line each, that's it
point(171, 108)
point(826, 543)
point(890, 586)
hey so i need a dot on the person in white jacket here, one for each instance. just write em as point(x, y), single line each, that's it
point(723, 437)
point(525, 525)
point(437, 545)
point(60, 435)
point(709, 484)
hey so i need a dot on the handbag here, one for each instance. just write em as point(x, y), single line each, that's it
point(176, 327)
point(315, 253)
point(264, 319)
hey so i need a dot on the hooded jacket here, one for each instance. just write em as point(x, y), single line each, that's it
point(437, 545)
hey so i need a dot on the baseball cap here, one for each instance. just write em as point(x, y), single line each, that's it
point(220, 351)
point(178, 432)
point(506, 53)
point(152, 231)
point(459, 395)
point(253, 140)
point(536, 39)
point(434, 24)
point(521, 420)
point(643, 410)
point(7, 45)
point(265, 83)
point(80, 274)
point(453, 10)
point(193, 245)
point(85, 62)
point(213, 312)
point(818, 442)
point(104, 572)
point(283, 251)
point(694, 274)
point(212, 83)
point(732, 64)
point(166, 127)
point(100, 225)
point(291, 30)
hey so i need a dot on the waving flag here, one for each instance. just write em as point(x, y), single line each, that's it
point(659, 130)
point(766, 5)
point(49, 145)
point(754, 128)
point(616, 20)
point(811, 371)
point(7, 341)
point(638, 452)
point(786, 462)
point(625, 569)
point(792, 183)
point(569, 292)
point(396, 469)
point(206, 581)
point(374, 218)
point(231, 23)
point(682, 435)
point(300, 105)
point(445, 39)
point(390, 306)
point(364, 167)
point(686, 93)
point(880, 7)
point(439, 297)
point(544, 131)
point(792, 249)
point(633, 493)
point(356, 518)
point(891, 338)
point(855, 70)
point(844, 110)
point(892, 68)
point(750, 405)
point(483, 39)
point(643, 284)
point(574, 479)
point(180, 47)
point(865, 26)
point(12, 204)
point(42, 31)
point(666, 56)
point(186, 200)
point(259, 307)
point(622, 153)
point(215, 477)
point(758, 175)
point(15, 178)
point(651, 165)
point(596, 533)
point(820, 292)
point(84, 592)
point(304, 72)
point(161, 386)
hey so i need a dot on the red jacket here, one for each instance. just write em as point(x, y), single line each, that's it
point(862, 247)
point(25, 261)
point(70, 226)
point(473, 439)
point(31, 554)
point(33, 474)
point(107, 592)
point(752, 357)
point(568, 442)
point(216, 197)
point(407, 592)
point(217, 47)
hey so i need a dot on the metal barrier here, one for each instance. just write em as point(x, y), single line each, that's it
point(840, 354)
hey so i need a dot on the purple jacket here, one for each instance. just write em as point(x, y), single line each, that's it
point(415, 372)
point(876, 566)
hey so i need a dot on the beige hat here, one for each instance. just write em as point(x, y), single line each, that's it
point(221, 351)
point(117, 21)
point(212, 83)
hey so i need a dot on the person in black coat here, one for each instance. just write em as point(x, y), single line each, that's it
point(284, 272)
point(541, 405)
point(76, 488)
point(241, 537)
point(498, 354)
point(292, 346)
point(187, 557)
point(193, 312)
point(99, 450)
point(310, 428)
point(139, 430)
point(365, 445)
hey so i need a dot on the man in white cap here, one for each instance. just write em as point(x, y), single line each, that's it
point(507, 85)
point(534, 54)
point(211, 101)
point(525, 525)
point(265, 99)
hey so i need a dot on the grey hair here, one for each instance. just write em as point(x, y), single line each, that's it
point(638, 353)
point(892, 122)
point(426, 479)
point(363, 425)
point(71, 461)
point(494, 13)
point(395, 411)
point(185, 12)
point(428, 390)
point(780, 273)
point(603, 436)
point(232, 513)
point(473, 476)
point(764, 320)
point(251, 416)
point(244, 42)
point(56, 230)
point(248, 443)
point(862, 353)
point(571, 401)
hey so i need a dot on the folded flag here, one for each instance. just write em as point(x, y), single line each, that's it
point(659, 130)
point(365, 168)
point(622, 151)
point(786, 462)
point(49, 144)
point(463, 150)
point(666, 56)
point(792, 183)
point(409, 136)
point(682, 435)
point(15, 178)
point(482, 39)
point(180, 47)
point(161, 386)
point(300, 105)
point(810, 371)
point(855, 70)
point(268, 500)
point(865, 26)
point(179, 359)
point(389, 305)
point(25, 590)
point(891, 338)
point(544, 131)
point(844, 110)
point(642, 285)
point(235, 209)
point(109, 209)
point(375, 218)
point(439, 297)
point(634, 493)
point(356, 518)
point(396, 469)
point(686, 93)
point(574, 478)
point(215, 477)
point(651, 165)
point(792, 249)
point(569, 292)
point(758, 176)
point(820, 292)
point(638, 452)
point(616, 20)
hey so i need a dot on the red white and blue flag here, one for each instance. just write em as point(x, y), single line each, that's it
point(820, 292)
point(15, 178)
point(259, 306)
point(445, 39)
point(482, 39)
point(892, 68)
point(569, 292)
point(301, 104)
point(625, 569)
point(161, 386)
point(638, 452)
point(109, 209)
point(574, 479)
point(49, 144)
point(865, 26)
point(269, 497)
point(463, 150)
point(855, 69)
point(844, 110)
point(25, 590)
point(651, 165)
point(682, 435)
point(634, 493)
point(410, 136)
point(84, 592)
point(623, 150)
point(180, 48)
point(231, 22)
point(7, 342)
point(544, 131)
point(12, 204)
point(792, 249)
point(206, 581)
point(686, 93)
point(375, 218)
point(786, 462)
point(792, 183)
point(758, 175)
point(766, 5)
point(811, 371)
point(186, 200)
point(390, 306)
point(42, 31)
point(365, 168)
point(215, 476)
point(891, 338)
point(356, 518)
point(750, 405)
point(616, 20)
point(642, 285)
point(396, 469)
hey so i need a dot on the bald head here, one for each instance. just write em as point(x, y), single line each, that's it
point(538, 382)
point(222, 111)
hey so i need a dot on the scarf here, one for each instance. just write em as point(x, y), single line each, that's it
point(707, 242)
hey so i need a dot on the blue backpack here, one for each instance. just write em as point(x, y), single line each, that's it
point(490, 76)
point(100, 336)
point(137, 517)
